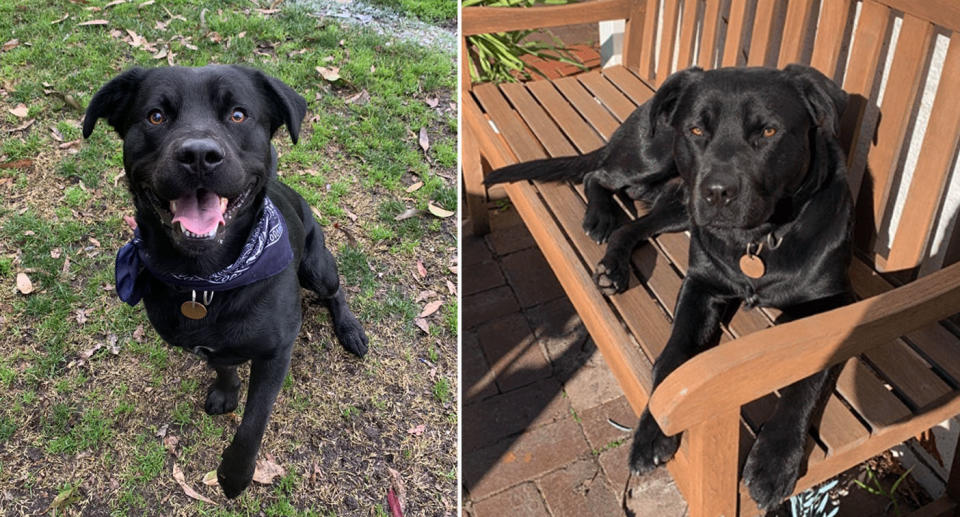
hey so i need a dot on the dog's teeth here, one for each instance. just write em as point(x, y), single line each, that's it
point(223, 204)
point(183, 229)
point(173, 206)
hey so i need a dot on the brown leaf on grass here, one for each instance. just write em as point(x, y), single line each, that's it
point(413, 188)
point(55, 253)
point(331, 74)
point(56, 134)
point(360, 98)
point(351, 215)
point(58, 20)
point(24, 285)
point(187, 489)
point(23, 126)
point(422, 271)
point(161, 54)
point(430, 308)
point(113, 3)
point(20, 111)
point(267, 470)
point(81, 315)
point(400, 492)
point(350, 238)
point(433, 102)
point(417, 430)
point(439, 212)
point(170, 443)
point(422, 324)
point(424, 140)
point(10, 45)
point(406, 214)
point(425, 295)
point(24, 163)
point(452, 288)
point(210, 478)
point(93, 22)
point(68, 145)
point(65, 270)
point(454, 269)
point(138, 333)
point(87, 354)
point(148, 2)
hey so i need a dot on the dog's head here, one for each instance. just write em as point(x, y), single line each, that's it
point(744, 138)
point(196, 146)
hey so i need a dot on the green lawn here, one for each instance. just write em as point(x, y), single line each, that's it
point(95, 410)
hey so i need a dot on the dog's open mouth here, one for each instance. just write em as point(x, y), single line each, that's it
point(200, 214)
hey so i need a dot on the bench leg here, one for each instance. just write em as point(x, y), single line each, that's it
point(474, 192)
point(712, 455)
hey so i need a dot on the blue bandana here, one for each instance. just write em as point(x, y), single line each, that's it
point(266, 253)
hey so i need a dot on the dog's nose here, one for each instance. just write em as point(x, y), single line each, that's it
point(719, 191)
point(200, 155)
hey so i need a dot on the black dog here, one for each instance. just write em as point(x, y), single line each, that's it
point(212, 219)
point(638, 163)
point(770, 215)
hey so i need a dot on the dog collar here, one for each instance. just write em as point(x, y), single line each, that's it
point(266, 253)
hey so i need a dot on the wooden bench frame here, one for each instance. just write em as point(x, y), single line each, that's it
point(718, 398)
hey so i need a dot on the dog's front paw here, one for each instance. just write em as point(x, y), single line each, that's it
point(351, 335)
point(235, 473)
point(612, 275)
point(651, 448)
point(772, 468)
point(599, 223)
point(221, 401)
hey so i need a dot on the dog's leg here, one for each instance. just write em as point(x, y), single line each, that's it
point(774, 462)
point(613, 272)
point(239, 458)
point(318, 272)
point(695, 327)
point(224, 392)
point(601, 217)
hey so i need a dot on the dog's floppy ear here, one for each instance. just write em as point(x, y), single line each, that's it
point(824, 99)
point(664, 103)
point(112, 101)
point(287, 106)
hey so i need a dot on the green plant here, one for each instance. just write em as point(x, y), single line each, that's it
point(814, 502)
point(498, 54)
point(879, 490)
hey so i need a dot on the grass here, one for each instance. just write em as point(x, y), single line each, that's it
point(427, 10)
point(87, 388)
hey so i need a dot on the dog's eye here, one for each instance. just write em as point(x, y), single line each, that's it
point(238, 116)
point(696, 131)
point(769, 131)
point(156, 117)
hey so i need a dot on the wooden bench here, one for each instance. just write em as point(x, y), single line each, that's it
point(901, 354)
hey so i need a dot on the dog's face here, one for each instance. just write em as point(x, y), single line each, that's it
point(744, 137)
point(196, 146)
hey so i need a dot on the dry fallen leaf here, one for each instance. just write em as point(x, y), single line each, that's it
point(407, 214)
point(11, 44)
point(267, 470)
point(81, 316)
point(422, 324)
point(191, 493)
point(359, 98)
point(24, 285)
point(351, 215)
point(452, 288)
point(422, 271)
point(433, 102)
point(170, 443)
point(396, 483)
point(20, 110)
point(424, 140)
point(93, 22)
point(24, 163)
point(425, 295)
point(331, 74)
point(138, 332)
point(210, 478)
point(417, 430)
point(55, 253)
point(430, 308)
point(415, 187)
point(439, 212)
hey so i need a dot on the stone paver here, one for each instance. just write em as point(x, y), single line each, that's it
point(522, 499)
point(558, 327)
point(595, 422)
point(655, 495)
point(488, 305)
point(531, 277)
point(483, 276)
point(510, 240)
point(528, 456)
point(503, 415)
point(577, 490)
point(478, 378)
point(512, 351)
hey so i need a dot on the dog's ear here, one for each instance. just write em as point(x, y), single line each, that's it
point(112, 101)
point(664, 103)
point(825, 100)
point(287, 107)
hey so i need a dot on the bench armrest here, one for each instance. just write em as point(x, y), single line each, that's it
point(484, 20)
point(740, 371)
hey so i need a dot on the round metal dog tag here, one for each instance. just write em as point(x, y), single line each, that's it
point(193, 310)
point(752, 266)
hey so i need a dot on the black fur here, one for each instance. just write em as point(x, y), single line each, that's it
point(258, 322)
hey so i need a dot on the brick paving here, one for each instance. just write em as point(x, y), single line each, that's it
point(538, 397)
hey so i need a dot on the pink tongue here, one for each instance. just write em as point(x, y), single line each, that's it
point(198, 212)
